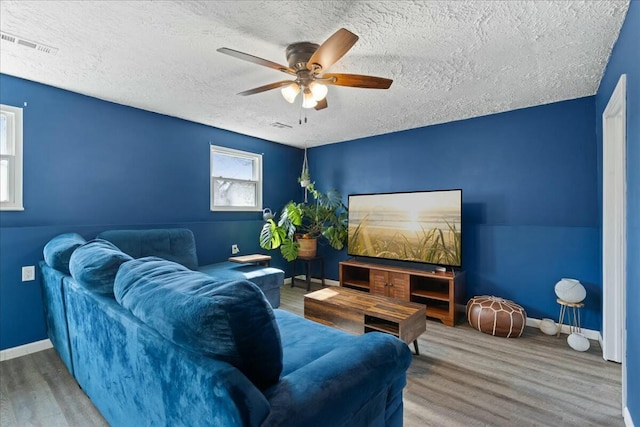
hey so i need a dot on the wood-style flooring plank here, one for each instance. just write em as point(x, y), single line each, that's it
point(76, 407)
point(462, 378)
point(28, 393)
point(41, 392)
point(7, 416)
point(466, 378)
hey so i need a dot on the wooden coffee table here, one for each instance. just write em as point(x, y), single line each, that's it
point(359, 312)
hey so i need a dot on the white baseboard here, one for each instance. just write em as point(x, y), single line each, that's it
point(566, 329)
point(23, 350)
point(627, 417)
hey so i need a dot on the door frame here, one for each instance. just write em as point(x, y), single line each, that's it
point(614, 242)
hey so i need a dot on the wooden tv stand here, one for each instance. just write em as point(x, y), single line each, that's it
point(440, 292)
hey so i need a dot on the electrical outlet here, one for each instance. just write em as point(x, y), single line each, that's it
point(234, 249)
point(28, 273)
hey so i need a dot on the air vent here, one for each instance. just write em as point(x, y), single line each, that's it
point(8, 37)
point(280, 125)
point(28, 43)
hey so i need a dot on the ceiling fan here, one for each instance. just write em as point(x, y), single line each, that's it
point(306, 62)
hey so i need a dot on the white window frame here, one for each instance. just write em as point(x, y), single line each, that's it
point(14, 134)
point(257, 173)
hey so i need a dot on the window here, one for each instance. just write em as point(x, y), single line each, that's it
point(10, 158)
point(236, 180)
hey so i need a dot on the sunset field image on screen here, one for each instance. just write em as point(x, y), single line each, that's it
point(419, 226)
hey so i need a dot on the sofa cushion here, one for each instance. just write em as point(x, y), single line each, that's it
point(57, 252)
point(95, 265)
point(230, 321)
point(173, 244)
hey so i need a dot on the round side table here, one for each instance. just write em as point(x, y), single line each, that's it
point(575, 308)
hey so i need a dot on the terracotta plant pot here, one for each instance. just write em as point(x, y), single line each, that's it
point(308, 248)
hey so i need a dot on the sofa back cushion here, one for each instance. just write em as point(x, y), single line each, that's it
point(95, 265)
point(173, 244)
point(230, 321)
point(57, 252)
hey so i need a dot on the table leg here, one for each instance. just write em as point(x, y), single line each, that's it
point(562, 310)
point(308, 264)
point(322, 270)
point(579, 325)
point(415, 346)
point(293, 275)
point(576, 320)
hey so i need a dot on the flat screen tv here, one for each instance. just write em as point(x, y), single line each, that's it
point(421, 226)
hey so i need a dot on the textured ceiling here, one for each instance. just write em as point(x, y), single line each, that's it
point(449, 60)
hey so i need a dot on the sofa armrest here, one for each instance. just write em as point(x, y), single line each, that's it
point(337, 387)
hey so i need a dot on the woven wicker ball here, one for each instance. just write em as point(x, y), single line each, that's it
point(496, 316)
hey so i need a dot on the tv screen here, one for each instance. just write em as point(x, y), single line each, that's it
point(422, 226)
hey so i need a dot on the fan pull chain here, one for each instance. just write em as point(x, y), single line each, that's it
point(300, 116)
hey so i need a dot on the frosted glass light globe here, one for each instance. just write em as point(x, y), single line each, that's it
point(307, 99)
point(290, 92)
point(570, 290)
point(318, 90)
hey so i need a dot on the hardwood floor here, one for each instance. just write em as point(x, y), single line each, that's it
point(37, 390)
point(461, 378)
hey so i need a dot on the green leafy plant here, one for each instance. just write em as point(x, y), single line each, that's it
point(304, 178)
point(324, 218)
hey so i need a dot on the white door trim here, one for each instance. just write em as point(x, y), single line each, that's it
point(614, 229)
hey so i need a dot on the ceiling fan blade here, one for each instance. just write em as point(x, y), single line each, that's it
point(356, 80)
point(331, 50)
point(322, 104)
point(256, 60)
point(265, 88)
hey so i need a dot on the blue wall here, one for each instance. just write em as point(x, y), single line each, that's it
point(91, 165)
point(625, 59)
point(529, 181)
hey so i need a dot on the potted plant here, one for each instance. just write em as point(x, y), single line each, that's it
point(305, 177)
point(302, 224)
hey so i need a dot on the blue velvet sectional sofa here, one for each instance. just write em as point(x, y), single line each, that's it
point(179, 245)
point(153, 341)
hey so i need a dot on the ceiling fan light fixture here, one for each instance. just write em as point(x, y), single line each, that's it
point(307, 99)
point(306, 62)
point(318, 90)
point(290, 92)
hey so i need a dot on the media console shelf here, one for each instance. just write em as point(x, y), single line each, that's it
point(440, 292)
